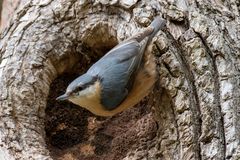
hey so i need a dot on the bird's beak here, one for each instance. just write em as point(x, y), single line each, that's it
point(62, 97)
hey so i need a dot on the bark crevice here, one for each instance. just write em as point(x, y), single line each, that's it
point(194, 106)
point(216, 95)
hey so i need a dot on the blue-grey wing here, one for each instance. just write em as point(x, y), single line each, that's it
point(116, 71)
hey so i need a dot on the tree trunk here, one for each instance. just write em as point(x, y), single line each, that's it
point(195, 102)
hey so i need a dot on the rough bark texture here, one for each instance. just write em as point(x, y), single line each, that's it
point(195, 102)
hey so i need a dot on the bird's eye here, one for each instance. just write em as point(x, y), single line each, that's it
point(78, 89)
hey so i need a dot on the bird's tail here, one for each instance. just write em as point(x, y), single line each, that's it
point(157, 24)
point(145, 37)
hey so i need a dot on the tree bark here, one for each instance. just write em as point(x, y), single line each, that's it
point(195, 101)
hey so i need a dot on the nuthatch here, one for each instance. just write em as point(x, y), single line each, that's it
point(120, 79)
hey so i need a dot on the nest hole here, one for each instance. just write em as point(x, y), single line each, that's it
point(73, 132)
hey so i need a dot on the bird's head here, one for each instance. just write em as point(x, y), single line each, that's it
point(80, 87)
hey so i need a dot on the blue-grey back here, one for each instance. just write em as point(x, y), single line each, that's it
point(116, 71)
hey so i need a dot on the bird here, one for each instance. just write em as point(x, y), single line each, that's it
point(121, 78)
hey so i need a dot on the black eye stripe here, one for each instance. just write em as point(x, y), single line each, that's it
point(88, 84)
point(78, 89)
point(84, 86)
